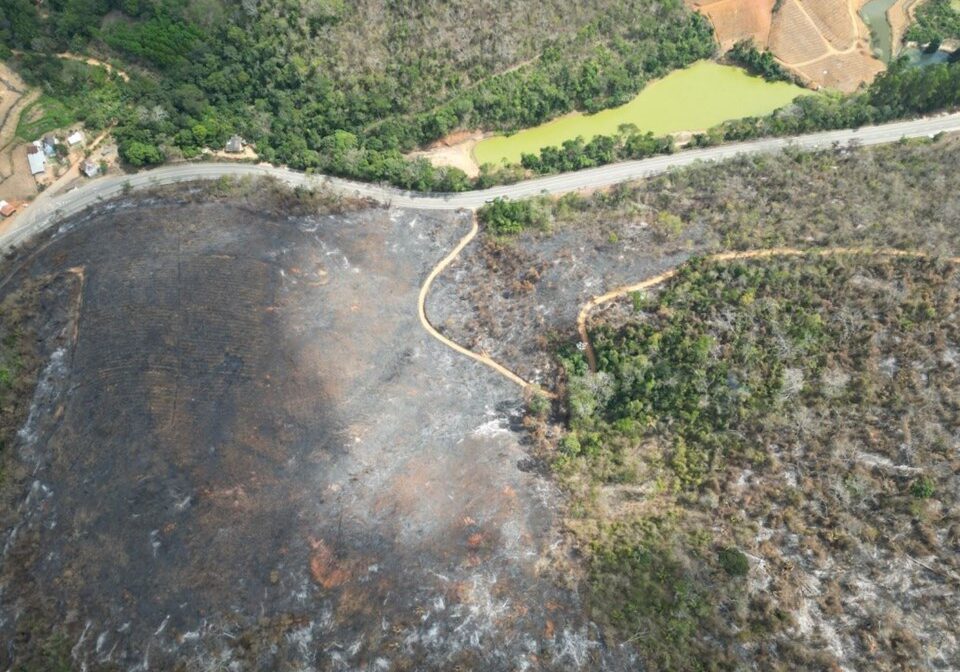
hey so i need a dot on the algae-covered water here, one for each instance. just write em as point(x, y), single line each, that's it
point(874, 14)
point(693, 99)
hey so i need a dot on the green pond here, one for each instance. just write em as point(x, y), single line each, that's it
point(874, 14)
point(692, 99)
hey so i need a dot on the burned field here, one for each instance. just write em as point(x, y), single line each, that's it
point(244, 452)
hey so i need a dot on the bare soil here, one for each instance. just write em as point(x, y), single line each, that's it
point(455, 151)
point(824, 41)
point(16, 183)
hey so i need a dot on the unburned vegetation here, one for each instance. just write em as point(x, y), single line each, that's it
point(521, 291)
point(879, 196)
point(764, 468)
point(764, 471)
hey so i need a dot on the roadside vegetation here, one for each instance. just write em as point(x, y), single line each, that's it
point(876, 196)
point(763, 470)
point(349, 89)
point(504, 217)
point(900, 92)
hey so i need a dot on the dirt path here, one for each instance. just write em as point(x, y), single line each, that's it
point(613, 294)
point(89, 60)
point(483, 357)
point(723, 256)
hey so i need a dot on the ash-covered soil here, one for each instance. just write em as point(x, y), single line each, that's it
point(245, 453)
point(517, 297)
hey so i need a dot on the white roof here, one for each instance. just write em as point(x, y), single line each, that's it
point(75, 138)
point(3, 204)
point(36, 162)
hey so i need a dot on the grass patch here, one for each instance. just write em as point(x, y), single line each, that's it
point(42, 116)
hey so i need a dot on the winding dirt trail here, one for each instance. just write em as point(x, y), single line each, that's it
point(482, 357)
point(22, 97)
point(726, 256)
point(89, 60)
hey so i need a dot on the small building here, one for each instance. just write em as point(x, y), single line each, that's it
point(6, 209)
point(234, 144)
point(49, 145)
point(75, 138)
point(36, 159)
point(89, 168)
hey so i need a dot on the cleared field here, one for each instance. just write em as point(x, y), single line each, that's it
point(735, 20)
point(794, 37)
point(696, 98)
point(826, 42)
point(842, 71)
point(834, 20)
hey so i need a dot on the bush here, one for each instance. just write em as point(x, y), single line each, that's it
point(760, 63)
point(538, 405)
point(734, 562)
point(504, 217)
point(922, 488)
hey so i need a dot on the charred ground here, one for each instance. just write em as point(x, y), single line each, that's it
point(243, 448)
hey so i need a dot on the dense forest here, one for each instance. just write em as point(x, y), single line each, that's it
point(936, 21)
point(346, 89)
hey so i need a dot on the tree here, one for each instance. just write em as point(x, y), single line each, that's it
point(141, 154)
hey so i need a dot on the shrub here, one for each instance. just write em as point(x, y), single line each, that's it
point(922, 488)
point(734, 562)
point(538, 405)
point(504, 217)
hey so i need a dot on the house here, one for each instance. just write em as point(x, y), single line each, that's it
point(36, 159)
point(89, 168)
point(234, 144)
point(6, 209)
point(49, 145)
point(75, 138)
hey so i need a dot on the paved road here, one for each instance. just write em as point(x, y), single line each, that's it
point(48, 209)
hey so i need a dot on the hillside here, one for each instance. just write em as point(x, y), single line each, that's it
point(763, 470)
point(764, 467)
point(348, 87)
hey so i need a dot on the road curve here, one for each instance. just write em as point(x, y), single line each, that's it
point(47, 209)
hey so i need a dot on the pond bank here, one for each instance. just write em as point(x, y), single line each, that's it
point(692, 99)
